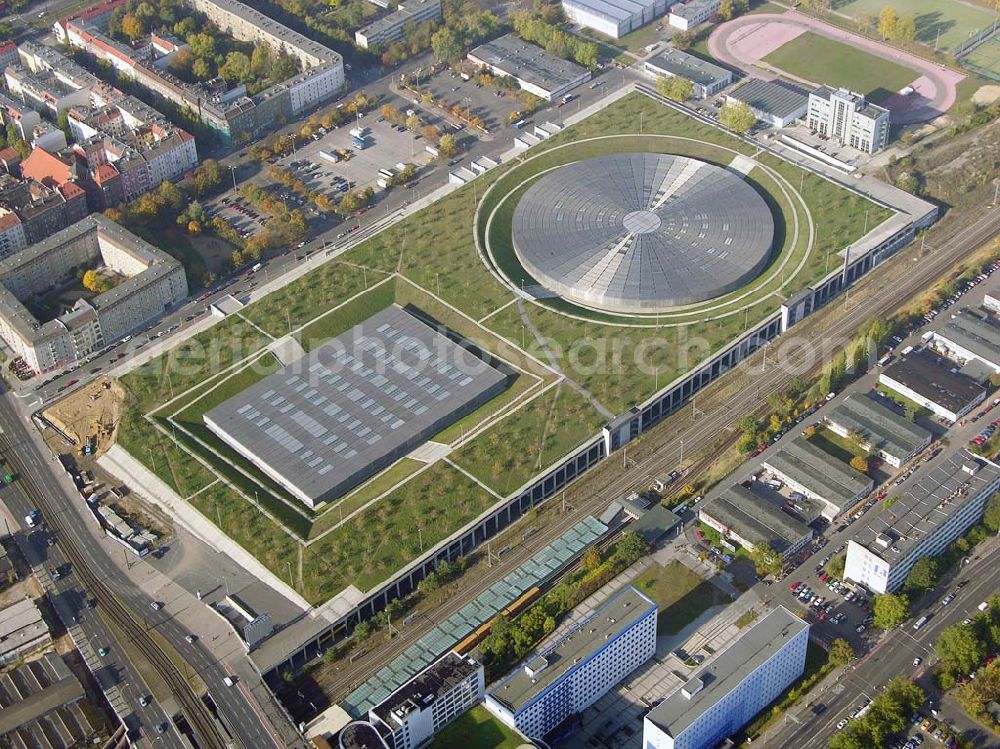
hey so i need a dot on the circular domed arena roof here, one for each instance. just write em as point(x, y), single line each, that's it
point(640, 232)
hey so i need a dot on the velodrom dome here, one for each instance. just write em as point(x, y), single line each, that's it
point(640, 232)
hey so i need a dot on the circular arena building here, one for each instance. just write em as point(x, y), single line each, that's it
point(641, 232)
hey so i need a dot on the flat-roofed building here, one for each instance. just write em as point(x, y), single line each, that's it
point(616, 18)
point(576, 671)
point(534, 69)
point(967, 337)
point(431, 700)
point(930, 382)
point(685, 16)
point(777, 103)
point(880, 430)
point(935, 510)
point(740, 514)
point(355, 404)
point(708, 78)
point(22, 630)
point(848, 118)
point(725, 695)
point(817, 474)
point(390, 28)
point(991, 301)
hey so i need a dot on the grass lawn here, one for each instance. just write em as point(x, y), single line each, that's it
point(477, 729)
point(681, 594)
point(819, 59)
point(836, 445)
point(954, 20)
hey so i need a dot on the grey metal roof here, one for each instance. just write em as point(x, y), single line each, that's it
point(832, 479)
point(478, 611)
point(678, 62)
point(529, 62)
point(615, 10)
point(928, 503)
point(642, 231)
point(765, 638)
point(974, 334)
point(932, 378)
point(882, 427)
point(355, 404)
point(614, 616)
point(776, 98)
point(756, 519)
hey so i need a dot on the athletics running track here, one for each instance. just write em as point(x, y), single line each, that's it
point(742, 42)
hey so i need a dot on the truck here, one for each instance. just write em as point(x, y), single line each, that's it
point(331, 157)
point(905, 351)
point(359, 143)
point(32, 519)
point(359, 132)
point(256, 267)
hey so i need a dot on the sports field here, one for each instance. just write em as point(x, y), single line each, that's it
point(945, 22)
point(986, 56)
point(819, 59)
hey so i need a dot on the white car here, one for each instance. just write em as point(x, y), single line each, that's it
point(917, 661)
point(842, 723)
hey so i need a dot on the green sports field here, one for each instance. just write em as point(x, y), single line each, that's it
point(947, 23)
point(819, 59)
point(986, 56)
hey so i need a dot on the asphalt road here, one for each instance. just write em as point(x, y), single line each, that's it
point(893, 656)
point(241, 715)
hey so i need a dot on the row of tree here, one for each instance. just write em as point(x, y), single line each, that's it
point(533, 27)
point(888, 715)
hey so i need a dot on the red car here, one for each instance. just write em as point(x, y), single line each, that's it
point(794, 586)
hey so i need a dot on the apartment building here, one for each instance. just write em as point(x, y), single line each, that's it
point(153, 282)
point(848, 118)
point(390, 28)
point(941, 506)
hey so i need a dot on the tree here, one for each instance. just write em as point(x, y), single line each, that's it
point(890, 609)
point(835, 567)
point(841, 653)
point(766, 561)
point(887, 20)
point(447, 147)
point(726, 10)
point(132, 26)
point(630, 547)
point(923, 575)
point(194, 227)
point(262, 61)
point(859, 464)
point(201, 69)
point(865, 23)
point(592, 559)
point(236, 67)
point(413, 122)
point(446, 45)
point(91, 281)
point(737, 116)
point(959, 648)
point(991, 517)
point(674, 87)
point(906, 29)
point(682, 40)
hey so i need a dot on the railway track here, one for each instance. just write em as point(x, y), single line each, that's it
point(947, 249)
point(197, 713)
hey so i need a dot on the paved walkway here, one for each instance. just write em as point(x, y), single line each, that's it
point(743, 41)
point(130, 471)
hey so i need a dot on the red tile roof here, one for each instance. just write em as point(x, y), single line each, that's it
point(46, 168)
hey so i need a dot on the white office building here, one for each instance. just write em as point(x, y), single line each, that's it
point(432, 699)
point(940, 507)
point(848, 118)
point(580, 668)
point(968, 338)
point(726, 695)
point(616, 18)
point(685, 16)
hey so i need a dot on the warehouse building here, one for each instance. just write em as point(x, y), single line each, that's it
point(817, 474)
point(941, 506)
point(534, 69)
point(748, 519)
point(685, 16)
point(880, 429)
point(391, 27)
point(22, 630)
point(991, 301)
point(967, 337)
point(616, 18)
point(432, 699)
point(580, 668)
point(777, 103)
point(708, 78)
point(726, 695)
point(354, 405)
point(848, 118)
point(929, 382)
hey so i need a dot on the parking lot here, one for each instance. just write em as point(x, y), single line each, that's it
point(491, 105)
